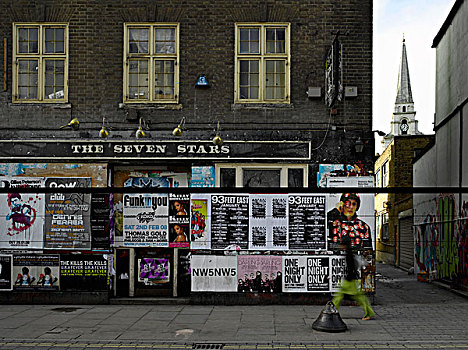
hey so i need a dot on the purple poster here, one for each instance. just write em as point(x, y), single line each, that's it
point(153, 271)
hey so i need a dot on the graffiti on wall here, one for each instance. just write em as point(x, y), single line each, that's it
point(426, 244)
point(441, 241)
point(462, 243)
point(447, 257)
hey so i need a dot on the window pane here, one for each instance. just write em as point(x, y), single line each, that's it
point(244, 66)
point(165, 40)
point(280, 93)
point(27, 79)
point(261, 178)
point(270, 46)
point(138, 79)
point(254, 65)
point(270, 66)
point(295, 178)
point(249, 40)
point(270, 35)
point(254, 47)
point(54, 40)
point(244, 46)
point(275, 40)
point(275, 80)
point(254, 93)
point(138, 40)
point(244, 34)
point(254, 34)
point(27, 40)
point(164, 79)
point(54, 79)
point(248, 79)
point(244, 79)
point(254, 79)
point(227, 177)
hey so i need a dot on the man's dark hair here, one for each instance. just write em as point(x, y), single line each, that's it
point(347, 196)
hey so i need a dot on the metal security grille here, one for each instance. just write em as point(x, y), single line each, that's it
point(208, 346)
point(406, 242)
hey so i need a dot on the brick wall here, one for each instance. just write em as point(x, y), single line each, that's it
point(206, 47)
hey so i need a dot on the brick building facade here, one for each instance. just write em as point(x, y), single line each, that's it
point(125, 65)
point(394, 211)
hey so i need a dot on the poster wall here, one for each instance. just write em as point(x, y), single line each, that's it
point(214, 273)
point(83, 272)
point(101, 221)
point(153, 271)
point(351, 215)
point(145, 220)
point(200, 221)
point(306, 273)
point(156, 179)
point(268, 273)
point(6, 272)
point(268, 224)
point(179, 220)
point(337, 271)
point(203, 176)
point(68, 215)
point(229, 221)
point(259, 273)
point(22, 214)
point(307, 222)
point(36, 272)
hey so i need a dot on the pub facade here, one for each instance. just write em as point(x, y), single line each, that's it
point(173, 144)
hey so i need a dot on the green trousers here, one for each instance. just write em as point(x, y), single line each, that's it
point(350, 288)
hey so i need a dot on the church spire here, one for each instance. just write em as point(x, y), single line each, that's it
point(404, 94)
point(404, 116)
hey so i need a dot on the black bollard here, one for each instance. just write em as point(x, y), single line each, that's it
point(329, 320)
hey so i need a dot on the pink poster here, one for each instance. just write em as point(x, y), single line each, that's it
point(259, 273)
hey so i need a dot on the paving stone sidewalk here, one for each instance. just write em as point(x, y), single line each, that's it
point(409, 314)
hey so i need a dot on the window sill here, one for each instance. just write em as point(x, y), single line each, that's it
point(138, 106)
point(42, 104)
point(257, 106)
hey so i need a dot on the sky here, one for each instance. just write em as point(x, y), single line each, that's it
point(419, 21)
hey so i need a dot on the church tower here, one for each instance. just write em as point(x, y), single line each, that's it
point(404, 116)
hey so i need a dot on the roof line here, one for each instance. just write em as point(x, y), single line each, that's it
point(446, 23)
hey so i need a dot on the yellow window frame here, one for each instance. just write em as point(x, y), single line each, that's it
point(152, 57)
point(41, 56)
point(262, 57)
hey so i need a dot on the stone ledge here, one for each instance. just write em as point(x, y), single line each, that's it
point(260, 106)
point(149, 106)
point(48, 105)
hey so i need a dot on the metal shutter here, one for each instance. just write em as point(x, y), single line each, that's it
point(406, 244)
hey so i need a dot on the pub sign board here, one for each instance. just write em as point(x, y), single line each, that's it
point(128, 149)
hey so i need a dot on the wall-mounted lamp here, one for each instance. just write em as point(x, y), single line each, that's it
point(380, 133)
point(140, 133)
point(217, 140)
point(103, 133)
point(74, 124)
point(178, 130)
point(359, 145)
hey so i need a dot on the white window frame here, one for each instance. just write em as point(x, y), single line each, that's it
point(377, 178)
point(41, 56)
point(378, 226)
point(385, 174)
point(385, 227)
point(151, 57)
point(262, 57)
point(239, 168)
